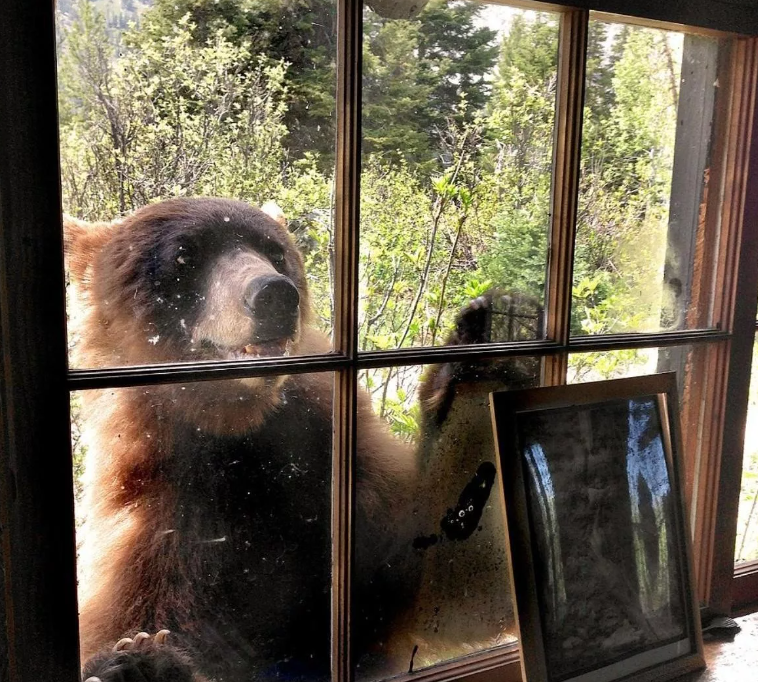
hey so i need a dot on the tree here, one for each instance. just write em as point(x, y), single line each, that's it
point(417, 73)
point(299, 33)
point(625, 185)
point(172, 118)
point(394, 98)
point(520, 134)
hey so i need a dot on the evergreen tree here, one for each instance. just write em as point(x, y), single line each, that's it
point(300, 33)
point(417, 74)
point(455, 58)
point(394, 98)
point(520, 132)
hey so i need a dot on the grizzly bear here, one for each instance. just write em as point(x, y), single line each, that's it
point(206, 506)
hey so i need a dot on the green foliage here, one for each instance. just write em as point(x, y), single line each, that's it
point(627, 159)
point(394, 96)
point(236, 98)
point(415, 75)
point(169, 119)
point(298, 33)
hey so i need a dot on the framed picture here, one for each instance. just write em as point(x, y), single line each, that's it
point(597, 529)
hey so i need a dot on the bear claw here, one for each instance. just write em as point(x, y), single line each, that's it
point(127, 643)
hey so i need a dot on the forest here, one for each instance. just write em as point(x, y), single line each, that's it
point(237, 98)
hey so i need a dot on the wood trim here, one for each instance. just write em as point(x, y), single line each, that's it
point(737, 16)
point(703, 402)
point(572, 53)
point(346, 215)
point(704, 17)
point(493, 665)
point(745, 588)
point(505, 407)
point(661, 25)
point(118, 377)
point(737, 273)
point(705, 470)
point(39, 628)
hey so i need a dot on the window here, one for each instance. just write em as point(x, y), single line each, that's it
point(683, 189)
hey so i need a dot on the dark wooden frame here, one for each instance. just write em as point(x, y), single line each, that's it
point(506, 406)
point(38, 607)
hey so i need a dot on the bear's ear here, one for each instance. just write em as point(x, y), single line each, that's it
point(81, 241)
point(273, 210)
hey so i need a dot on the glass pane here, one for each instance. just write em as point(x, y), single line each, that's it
point(200, 513)
point(746, 548)
point(172, 100)
point(607, 545)
point(458, 117)
point(641, 222)
point(451, 564)
point(632, 362)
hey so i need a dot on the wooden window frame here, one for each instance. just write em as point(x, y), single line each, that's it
point(38, 637)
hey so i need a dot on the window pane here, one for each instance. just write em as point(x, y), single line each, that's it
point(641, 225)
point(205, 509)
point(458, 116)
point(746, 548)
point(455, 554)
point(169, 100)
point(632, 362)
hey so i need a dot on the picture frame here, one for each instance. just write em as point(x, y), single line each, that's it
point(600, 547)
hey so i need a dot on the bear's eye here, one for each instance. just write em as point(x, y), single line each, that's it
point(276, 256)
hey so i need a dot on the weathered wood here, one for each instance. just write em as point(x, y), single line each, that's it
point(738, 315)
point(36, 478)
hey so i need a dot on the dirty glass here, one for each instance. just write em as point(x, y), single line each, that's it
point(174, 100)
point(442, 536)
point(198, 512)
point(457, 135)
point(642, 227)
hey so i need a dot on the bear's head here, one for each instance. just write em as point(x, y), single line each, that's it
point(187, 279)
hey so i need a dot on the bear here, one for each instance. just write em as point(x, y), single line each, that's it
point(463, 542)
point(206, 505)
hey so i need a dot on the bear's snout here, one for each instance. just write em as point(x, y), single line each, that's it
point(274, 304)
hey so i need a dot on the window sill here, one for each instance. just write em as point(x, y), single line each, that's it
point(730, 660)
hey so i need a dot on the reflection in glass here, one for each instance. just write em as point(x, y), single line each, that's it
point(599, 499)
point(746, 547)
point(459, 592)
point(646, 137)
point(205, 509)
point(457, 121)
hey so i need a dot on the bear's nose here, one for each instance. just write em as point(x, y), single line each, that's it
point(271, 297)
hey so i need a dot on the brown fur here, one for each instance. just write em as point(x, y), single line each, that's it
point(143, 564)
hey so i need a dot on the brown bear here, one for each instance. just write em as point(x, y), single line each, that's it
point(206, 506)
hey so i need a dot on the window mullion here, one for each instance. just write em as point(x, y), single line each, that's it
point(38, 626)
point(346, 250)
point(572, 53)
